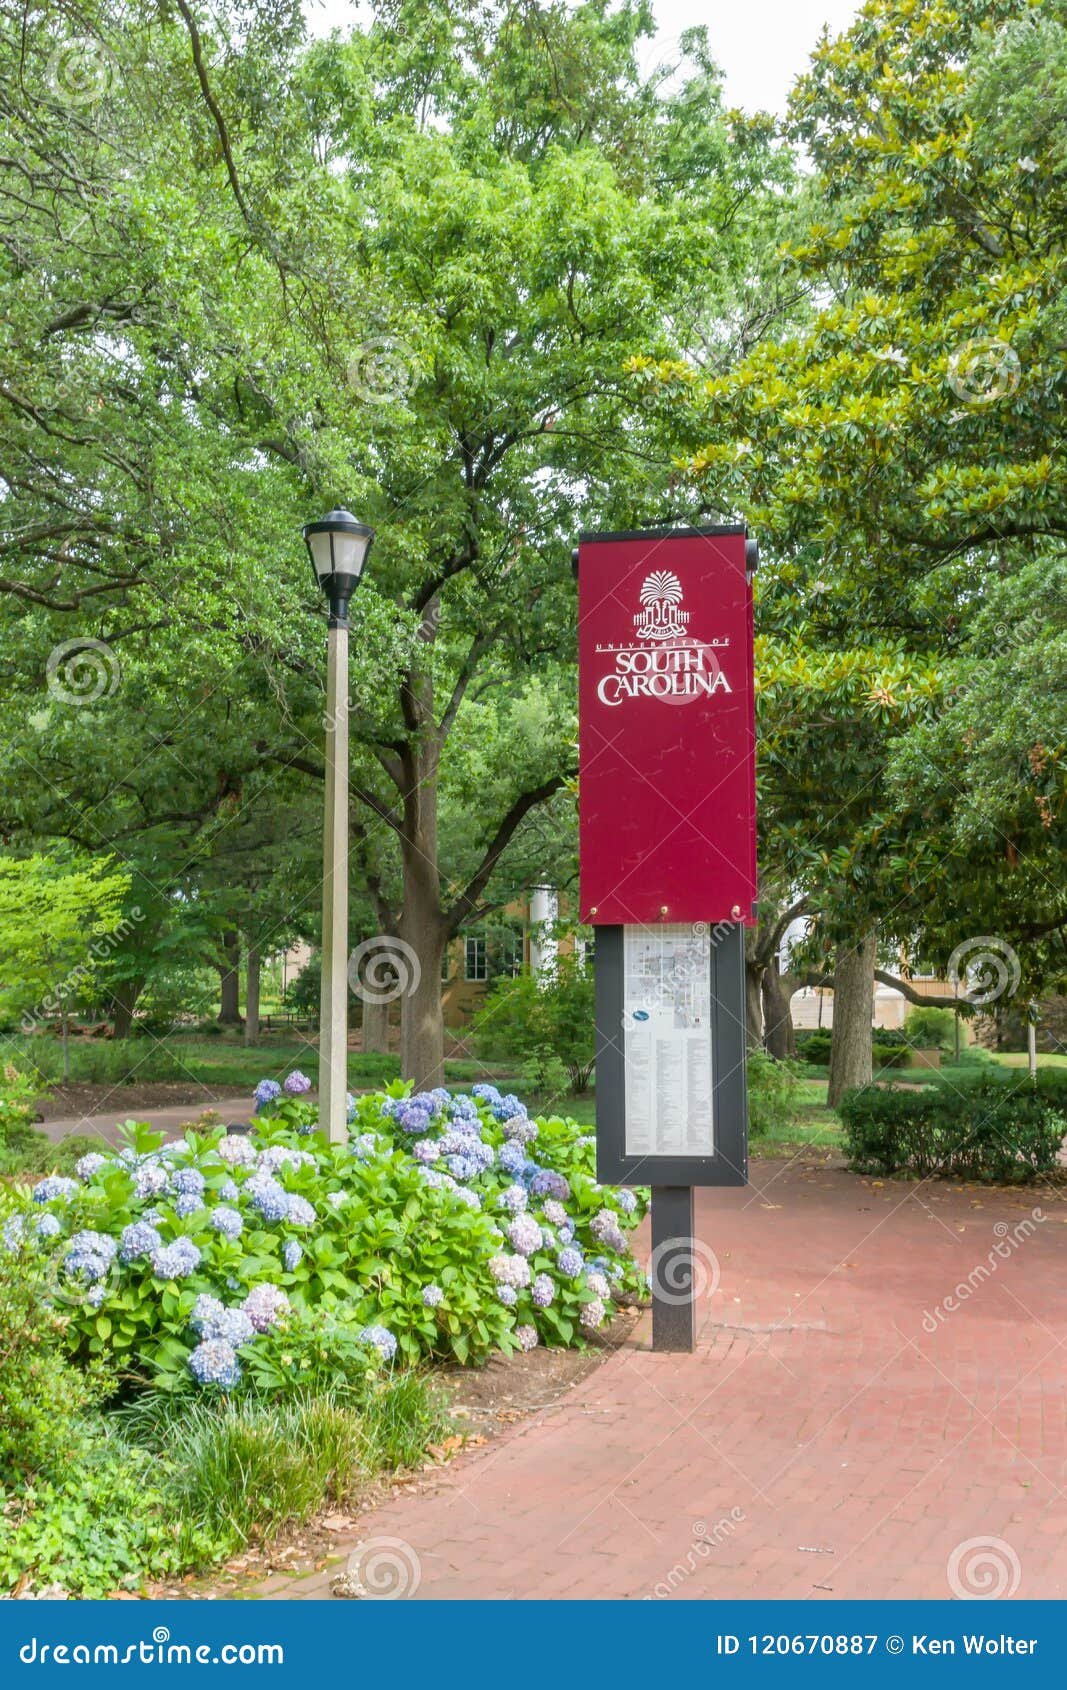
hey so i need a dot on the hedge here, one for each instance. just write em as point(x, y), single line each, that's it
point(1004, 1130)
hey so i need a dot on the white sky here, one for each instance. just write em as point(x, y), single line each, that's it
point(762, 45)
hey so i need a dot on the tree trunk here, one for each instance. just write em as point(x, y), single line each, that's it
point(252, 996)
point(230, 983)
point(850, 1048)
point(753, 993)
point(421, 927)
point(777, 1020)
point(375, 1026)
point(123, 1003)
point(66, 1046)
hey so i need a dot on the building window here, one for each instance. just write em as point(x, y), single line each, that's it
point(476, 965)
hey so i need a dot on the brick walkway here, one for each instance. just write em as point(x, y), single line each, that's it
point(823, 1441)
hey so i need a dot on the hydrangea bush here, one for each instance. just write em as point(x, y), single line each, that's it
point(447, 1226)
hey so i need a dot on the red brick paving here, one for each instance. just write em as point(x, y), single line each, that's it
point(820, 1442)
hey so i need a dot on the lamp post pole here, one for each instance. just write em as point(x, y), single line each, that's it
point(333, 1007)
point(338, 547)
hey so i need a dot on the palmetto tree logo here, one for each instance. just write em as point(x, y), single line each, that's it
point(661, 619)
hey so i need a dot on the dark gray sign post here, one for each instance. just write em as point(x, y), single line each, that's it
point(671, 1106)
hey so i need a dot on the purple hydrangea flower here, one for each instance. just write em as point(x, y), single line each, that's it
point(592, 1314)
point(297, 1083)
point(570, 1262)
point(543, 1291)
point(510, 1270)
point(177, 1260)
point(265, 1305)
point(292, 1255)
point(47, 1190)
point(514, 1199)
point(605, 1229)
point(266, 1092)
point(627, 1202)
point(467, 1196)
point(519, 1130)
point(432, 1296)
point(508, 1108)
point(464, 1109)
point(236, 1149)
point(229, 1191)
point(597, 1283)
point(138, 1239)
point(507, 1295)
point(300, 1212)
point(207, 1311)
point(337, 1199)
point(527, 1337)
point(227, 1221)
point(381, 1339)
point(555, 1213)
point(214, 1362)
point(524, 1235)
point(547, 1183)
point(510, 1157)
point(425, 1151)
point(486, 1092)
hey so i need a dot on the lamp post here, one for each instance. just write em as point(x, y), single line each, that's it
point(338, 547)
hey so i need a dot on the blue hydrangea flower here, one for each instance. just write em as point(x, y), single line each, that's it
point(187, 1204)
point(605, 1229)
point(337, 1199)
point(86, 1166)
point(149, 1180)
point(214, 1362)
point(350, 1107)
point(227, 1221)
point(555, 1213)
point(542, 1291)
point(527, 1337)
point(230, 1191)
point(627, 1202)
point(566, 1234)
point(297, 1083)
point(486, 1092)
point(463, 1167)
point(207, 1311)
point(443, 1095)
point(432, 1296)
point(187, 1182)
point(467, 1196)
point(138, 1239)
point(266, 1195)
point(47, 1225)
point(381, 1339)
point(47, 1190)
point(292, 1255)
point(95, 1295)
point(511, 1158)
point(507, 1295)
point(431, 1101)
point(508, 1107)
point(266, 1092)
point(570, 1262)
point(514, 1199)
point(177, 1260)
point(592, 1314)
point(233, 1326)
point(90, 1254)
point(464, 1109)
point(520, 1130)
point(365, 1146)
point(425, 1150)
point(411, 1117)
point(13, 1231)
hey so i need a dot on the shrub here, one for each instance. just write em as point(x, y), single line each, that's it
point(276, 1260)
point(987, 1130)
point(815, 1048)
point(43, 1396)
point(930, 1028)
point(773, 1088)
point(542, 1019)
point(889, 1055)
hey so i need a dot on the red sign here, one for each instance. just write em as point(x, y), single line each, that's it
point(667, 788)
